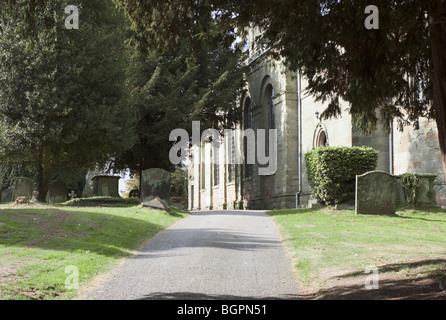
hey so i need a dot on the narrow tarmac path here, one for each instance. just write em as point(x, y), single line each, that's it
point(207, 255)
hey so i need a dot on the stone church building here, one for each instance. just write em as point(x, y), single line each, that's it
point(275, 98)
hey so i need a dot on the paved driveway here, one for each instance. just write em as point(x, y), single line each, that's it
point(208, 255)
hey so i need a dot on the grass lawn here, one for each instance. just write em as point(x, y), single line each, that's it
point(332, 249)
point(43, 248)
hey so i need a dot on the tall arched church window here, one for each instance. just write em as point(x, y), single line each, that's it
point(247, 110)
point(248, 113)
point(231, 165)
point(270, 95)
point(202, 164)
point(216, 155)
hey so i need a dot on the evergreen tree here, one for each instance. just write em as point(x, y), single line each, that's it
point(172, 87)
point(62, 93)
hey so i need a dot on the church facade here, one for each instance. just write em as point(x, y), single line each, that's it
point(275, 99)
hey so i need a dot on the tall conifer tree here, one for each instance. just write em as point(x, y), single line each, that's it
point(62, 98)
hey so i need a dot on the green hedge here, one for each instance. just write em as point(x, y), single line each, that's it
point(331, 171)
point(411, 185)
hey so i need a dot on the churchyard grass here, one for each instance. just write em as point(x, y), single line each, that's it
point(46, 250)
point(328, 245)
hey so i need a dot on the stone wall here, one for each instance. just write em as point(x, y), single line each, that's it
point(266, 192)
point(418, 151)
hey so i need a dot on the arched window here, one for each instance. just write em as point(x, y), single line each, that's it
point(320, 138)
point(216, 166)
point(247, 111)
point(269, 96)
point(202, 165)
point(231, 165)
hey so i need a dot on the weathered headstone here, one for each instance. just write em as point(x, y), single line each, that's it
point(156, 203)
point(155, 182)
point(23, 187)
point(106, 186)
point(57, 192)
point(7, 194)
point(375, 193)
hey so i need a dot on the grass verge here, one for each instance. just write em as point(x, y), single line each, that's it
point(44, 249)
point(331, 251)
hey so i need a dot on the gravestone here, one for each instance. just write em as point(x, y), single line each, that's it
point(375, 193)
point(156, 203)
point(72, 195)
point(57, 192)
point(22, 187)
point(106, 186)
point(155, 182)
point(7, 194)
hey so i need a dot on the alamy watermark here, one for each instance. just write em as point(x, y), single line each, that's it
point(372, 20)
point(72, 281)
point(72, 21)
point(254, 147)
point(372, 280)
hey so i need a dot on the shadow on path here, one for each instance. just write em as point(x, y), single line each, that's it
point(203, 296)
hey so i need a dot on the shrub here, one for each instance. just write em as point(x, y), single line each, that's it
point(411, 184)
point(332, 171)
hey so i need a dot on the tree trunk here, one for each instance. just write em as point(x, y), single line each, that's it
point(437, 28)
point(43, 173)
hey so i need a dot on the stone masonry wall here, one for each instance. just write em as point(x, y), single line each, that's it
point(418, 151)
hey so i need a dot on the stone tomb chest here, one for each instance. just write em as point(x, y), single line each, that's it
point(106, 186)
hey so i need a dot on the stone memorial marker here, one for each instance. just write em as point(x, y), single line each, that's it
point(375, 193)
point(57, 192)
point(7, 194)
point(155, 182)
point(106, 186)
point(23, 187)
point(156, 203)
point(72, 195)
